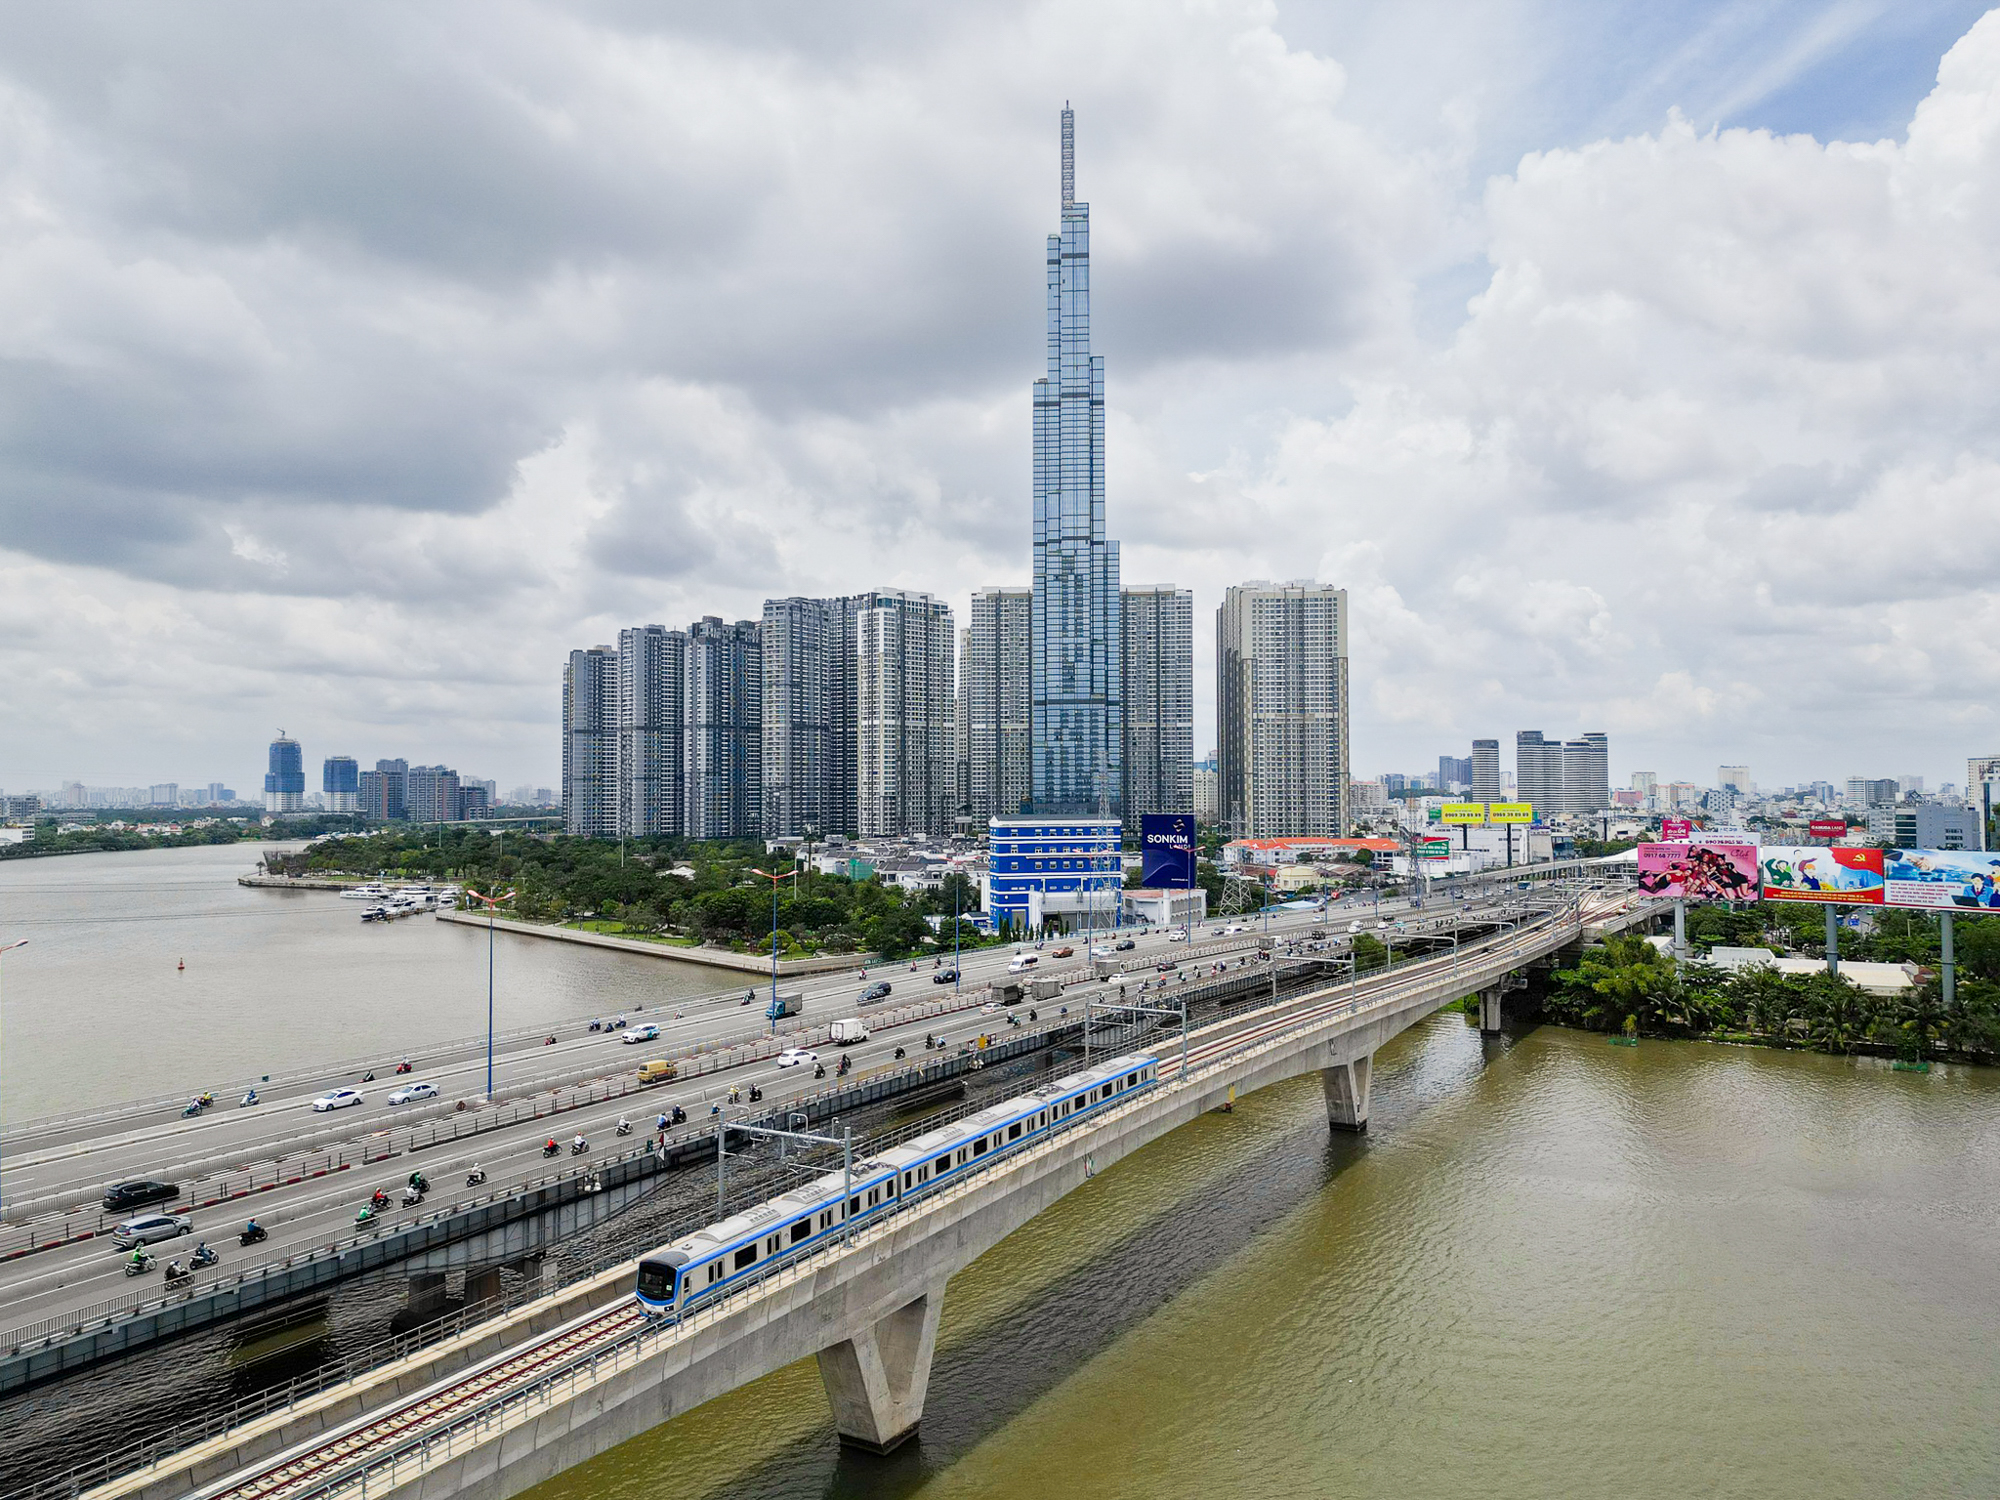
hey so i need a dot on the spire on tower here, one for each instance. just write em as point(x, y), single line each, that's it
point(1069, 155)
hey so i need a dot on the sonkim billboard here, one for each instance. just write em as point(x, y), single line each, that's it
point(1166, 843)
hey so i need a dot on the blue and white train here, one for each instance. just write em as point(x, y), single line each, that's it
point(709, 1262)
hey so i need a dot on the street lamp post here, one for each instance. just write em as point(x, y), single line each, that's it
point(774, 879)
point(489, 902)
point(6, 949)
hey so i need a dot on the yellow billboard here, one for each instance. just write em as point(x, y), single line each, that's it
point(1463, 812)
point(1510, 812)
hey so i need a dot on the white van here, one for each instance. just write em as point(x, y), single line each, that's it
point(1022, 962)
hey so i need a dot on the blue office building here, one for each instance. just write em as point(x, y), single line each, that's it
point(1053, 870)
point(285, 781)
point(340, 783)
point(1077, 658)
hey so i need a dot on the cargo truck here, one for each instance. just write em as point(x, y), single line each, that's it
point(783, 1005)
point(847, 1033)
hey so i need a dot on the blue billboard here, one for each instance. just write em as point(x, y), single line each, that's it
point(1167, 843)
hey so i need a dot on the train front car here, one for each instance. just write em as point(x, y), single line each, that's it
point(659, 1281)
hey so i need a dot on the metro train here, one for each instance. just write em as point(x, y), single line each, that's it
point(706, 1264)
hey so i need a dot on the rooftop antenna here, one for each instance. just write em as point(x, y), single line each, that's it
point(1069, 155)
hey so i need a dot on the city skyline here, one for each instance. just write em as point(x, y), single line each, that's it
point(1324, 317)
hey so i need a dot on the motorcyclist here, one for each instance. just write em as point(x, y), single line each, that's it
point(624, 1126)
point(139, 1256)
point(251, 1097)
point(579, 1144)
point(251, 1229)
point(660, 1121)
point(549, 1147)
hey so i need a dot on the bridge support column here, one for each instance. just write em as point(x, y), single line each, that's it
point(427, 1294)
point(875, 1381)
point(1346, 1086)
point(1489, 1010)
point(482, 1285)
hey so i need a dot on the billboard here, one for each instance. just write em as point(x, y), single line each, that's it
point(1699, 872)
point(1166, 843)
point(1813, 872)
point(1510, 812)
point(1676, 830)
point(1942, 879)
point(1434, 848)
point(1464, 812)
point(1827, 828)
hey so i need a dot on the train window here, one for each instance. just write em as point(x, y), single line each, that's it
point(1132, 1080)
point(874, 1195)
point(656, 1281)
point(714, 1272)
point(908, 1178)
point(979, 1146)
point(854, 1205)
point(747, 1256)
point(802, 1229)
point(1014, 1131)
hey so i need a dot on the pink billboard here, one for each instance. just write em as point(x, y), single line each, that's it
point(1699, 872)
point(1676, 830)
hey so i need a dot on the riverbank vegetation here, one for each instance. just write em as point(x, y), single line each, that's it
point(661, 888)
point(114, 833)
point(1628, 985)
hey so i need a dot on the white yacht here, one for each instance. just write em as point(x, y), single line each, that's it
point(373, 891)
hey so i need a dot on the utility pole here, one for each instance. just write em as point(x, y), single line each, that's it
point(9, 948)
point(774, 879)
point(490, 902)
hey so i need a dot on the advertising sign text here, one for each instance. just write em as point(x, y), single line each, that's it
point(1166, 841)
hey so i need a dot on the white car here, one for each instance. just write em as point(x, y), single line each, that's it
point(1177, 937)
point(794, 1057)
point(150, 1229)
point(338, 1099)
point(1102, 950)
point(646, 1033)
point(410, 1093)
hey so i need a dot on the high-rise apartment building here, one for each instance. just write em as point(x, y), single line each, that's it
point(590, 743)
point(285, 779)
point(431, 795)
point(1158, 675)
point(1282, 709)
point(1077, 697)
point(1454, 771)
point(1871, 791)
point(1538, 772)
point(340, 783)
point(725, 730)
point(1207, 795)
point(808, 774)
point(1587, 774)
point(1486, 771)
point(381, 791)
point(904, 690)
point(997, 703)
point(1736, 778)
point(652, 742)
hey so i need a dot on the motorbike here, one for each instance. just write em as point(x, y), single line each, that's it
point(819, 1070)
point(842, 1071)
point(404, 1067)
point(680, 1115)
point(367, 1212)
point(899, 1054)
point(420, 1182)
point(755, 1093)
point(551, 1149)
point(203, 1256)
point(380, 1201)
point(412, 1196)
point(140, 1266)
point(474, 1177)
point(549, 1042)
point(176, 1272)
point(247, 1100)
point(577, 1148)
point(193, 1109)
point(256, 1234)
point(204, 1100)
point(624, 1127)
point(596, 1025)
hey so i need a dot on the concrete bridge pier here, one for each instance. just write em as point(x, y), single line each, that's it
point(427, 1295)
point(875, 1381)
point(1489, 1010)
point(1346, 1085)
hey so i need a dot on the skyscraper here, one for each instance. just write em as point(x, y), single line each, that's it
point(340, 781)
point(431, 795)
point(1538, 772)
point(381, 794)
point(1282, 710)
point(1077, 699)
point(904, 780)
point(997, 703)
point(1486, 771)
point(590, 743)
point(1158, 676)
point(652, 744)
point(724, 789)
point(285, 780)
point(802, 778)
point(1587, 774)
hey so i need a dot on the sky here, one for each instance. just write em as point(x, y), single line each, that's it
point(1630, 365)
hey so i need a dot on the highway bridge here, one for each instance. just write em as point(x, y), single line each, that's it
point(303, 1175)
point(509, 1402)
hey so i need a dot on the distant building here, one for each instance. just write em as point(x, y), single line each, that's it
point(1926, 825)
point(475, 799)
point(380, 792)
point(725, 732)
point(1866, 792)
point(1454, 771)
point(808, 711)
point(1158, 635)
point(997, 701)
point(1556, 777)
point(590, 743)
point(1736, 778)
point(340, 783)
point(1207, 796)
point(652, 731)
point(431, 795)
point(1485, 760)
point(285, 780)
point(164, 794)
point(1282, 708)
point(1587, 774)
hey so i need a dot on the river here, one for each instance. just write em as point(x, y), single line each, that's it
point(1552, 1268)
point(96, 1010)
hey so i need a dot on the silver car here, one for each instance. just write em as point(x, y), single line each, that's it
point(149, 1229)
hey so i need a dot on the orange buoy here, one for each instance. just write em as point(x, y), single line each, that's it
point(183, 964)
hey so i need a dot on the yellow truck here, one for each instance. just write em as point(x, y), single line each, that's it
point(657, 1071)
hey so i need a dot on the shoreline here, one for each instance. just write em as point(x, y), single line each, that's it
point(714, 958)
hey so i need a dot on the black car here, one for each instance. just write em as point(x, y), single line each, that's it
point(945, 976)
point(124, 1195)
point(876, 991)
point(1126, 945)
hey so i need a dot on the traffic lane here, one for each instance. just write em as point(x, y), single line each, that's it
point(320, 1210)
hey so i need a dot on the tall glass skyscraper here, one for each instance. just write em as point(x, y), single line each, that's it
point(1077, 625)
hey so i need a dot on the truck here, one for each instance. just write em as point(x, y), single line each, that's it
point(783, 1004)
point(659, 1070)
point(847, 1033)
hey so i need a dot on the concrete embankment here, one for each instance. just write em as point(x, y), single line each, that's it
point(715, 958)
